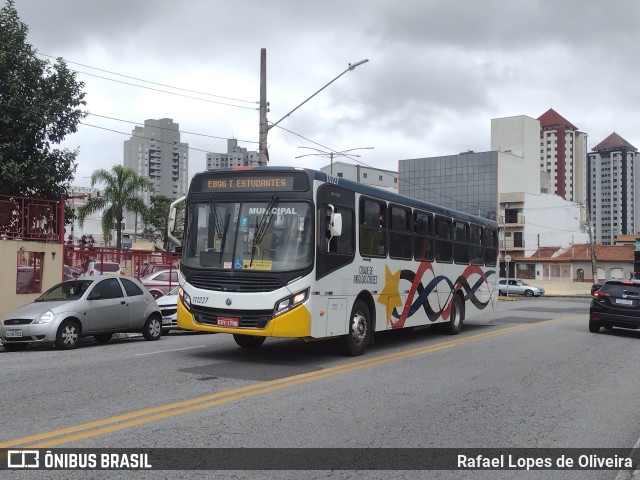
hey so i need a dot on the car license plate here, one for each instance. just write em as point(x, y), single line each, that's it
point(228, 322)
point(166, 320)
point(13, 333)
point(624, 301)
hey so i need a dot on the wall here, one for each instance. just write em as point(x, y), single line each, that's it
point(51, 270)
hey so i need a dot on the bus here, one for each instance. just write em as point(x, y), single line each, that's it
point(296, 253)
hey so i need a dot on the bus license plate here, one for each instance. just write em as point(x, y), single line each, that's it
point(228, 322)
point(624, 301)
point(13, 333)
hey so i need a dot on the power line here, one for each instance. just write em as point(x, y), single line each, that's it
point(165, 91)
point(140, 136)
point(386, 173)
point(138, 124)
point(164, 128)
point(147, 81)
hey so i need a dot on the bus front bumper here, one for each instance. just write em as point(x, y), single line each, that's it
point(296, 323)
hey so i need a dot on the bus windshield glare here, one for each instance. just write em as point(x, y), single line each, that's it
point(272, 235)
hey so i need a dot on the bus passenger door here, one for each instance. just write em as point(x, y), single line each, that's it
point(337, 316)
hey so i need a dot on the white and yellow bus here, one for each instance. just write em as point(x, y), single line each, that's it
point(296, 253)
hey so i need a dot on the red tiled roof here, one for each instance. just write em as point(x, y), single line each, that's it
point(545, 252)
point(628, 238)
point(581, 253)
point(551, 118)
point(614, 142)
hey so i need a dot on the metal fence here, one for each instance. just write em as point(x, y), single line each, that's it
point(31, 218)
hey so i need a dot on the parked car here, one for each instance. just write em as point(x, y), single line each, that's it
point(69, 273)
point(97, 306)
point(519, 287)
point(104, 268)
point(150, 268)
point(160, 283)
point(615, 304)
point(169, 308)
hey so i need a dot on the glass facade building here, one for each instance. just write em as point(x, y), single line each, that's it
point(466, 182)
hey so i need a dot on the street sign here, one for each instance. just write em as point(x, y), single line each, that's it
point(507, 258)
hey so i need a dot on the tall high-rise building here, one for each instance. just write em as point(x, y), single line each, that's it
point(156, 152)
point(563, 154)
point(613, 183)
point(235, 157)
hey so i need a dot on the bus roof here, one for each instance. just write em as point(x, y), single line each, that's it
point(362, 189)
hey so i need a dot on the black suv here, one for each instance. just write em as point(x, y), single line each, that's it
point(615, 304)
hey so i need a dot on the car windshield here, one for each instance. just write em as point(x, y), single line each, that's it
point(273, 235)
point(174, 291)
point(71, 290)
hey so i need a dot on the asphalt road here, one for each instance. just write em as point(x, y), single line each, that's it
point(527, 375)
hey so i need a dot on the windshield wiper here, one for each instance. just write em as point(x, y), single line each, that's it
point(217, 224)
point(261, 228)
point(224, 236)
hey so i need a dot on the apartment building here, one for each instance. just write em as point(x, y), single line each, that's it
point(612, 188)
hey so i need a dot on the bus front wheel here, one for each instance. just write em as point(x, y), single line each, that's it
point(356, 341)
point(248, 341)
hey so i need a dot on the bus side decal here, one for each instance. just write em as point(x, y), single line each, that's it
point(412, 305)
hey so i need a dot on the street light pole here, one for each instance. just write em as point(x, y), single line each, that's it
point(263, 155)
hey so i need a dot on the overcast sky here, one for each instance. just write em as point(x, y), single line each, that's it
point(438, 72)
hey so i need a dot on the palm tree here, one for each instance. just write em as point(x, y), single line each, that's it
point(119, 194)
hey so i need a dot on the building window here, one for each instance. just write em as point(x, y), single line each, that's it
point(29, 272)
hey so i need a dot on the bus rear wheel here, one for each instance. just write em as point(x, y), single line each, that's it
point(248, 341)
point(355, 342)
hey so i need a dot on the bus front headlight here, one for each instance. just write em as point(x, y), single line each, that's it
point(291, 301)
point(186, 299)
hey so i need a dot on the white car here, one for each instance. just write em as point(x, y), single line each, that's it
point(169, 309)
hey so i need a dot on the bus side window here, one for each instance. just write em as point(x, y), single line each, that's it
point(373, 233)
point(342, 244)
point(423, 236)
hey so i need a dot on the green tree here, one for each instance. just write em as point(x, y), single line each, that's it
point(157, 221)
point(40, 104)
point(120, 195)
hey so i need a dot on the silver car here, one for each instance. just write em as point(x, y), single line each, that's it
point(96, 306)
point(519, 287)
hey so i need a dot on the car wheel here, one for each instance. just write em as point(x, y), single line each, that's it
point(356, 341)
point(103, 337)
point(152, 330)
point(454, 326)
point(156, 293)
point(15, 347)
point(528, 293)
point(594, 327)
point(248, 341)
point(68, 335)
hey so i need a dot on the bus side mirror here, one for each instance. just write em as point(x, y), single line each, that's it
point(335, 225)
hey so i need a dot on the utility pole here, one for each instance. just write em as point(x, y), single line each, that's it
point(585, 226)
point(263, 154)
point(594, 269)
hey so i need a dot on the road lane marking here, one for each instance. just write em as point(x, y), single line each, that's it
point(139, 417)
point(164, 351)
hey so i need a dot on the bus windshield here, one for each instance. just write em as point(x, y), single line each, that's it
point(273, 235)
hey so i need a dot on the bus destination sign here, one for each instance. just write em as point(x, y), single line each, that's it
point(248, 184)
